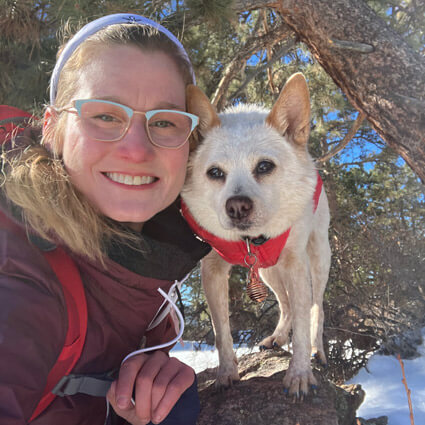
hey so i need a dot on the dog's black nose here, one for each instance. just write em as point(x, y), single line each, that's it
point(239, 207)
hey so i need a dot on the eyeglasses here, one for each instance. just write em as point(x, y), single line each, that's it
point(108, 121)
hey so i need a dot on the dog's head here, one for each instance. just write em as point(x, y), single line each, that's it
point(250, 173)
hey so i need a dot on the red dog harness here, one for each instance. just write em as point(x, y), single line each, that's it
point(253, 253)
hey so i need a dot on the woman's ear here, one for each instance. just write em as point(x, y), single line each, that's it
point(49, 121)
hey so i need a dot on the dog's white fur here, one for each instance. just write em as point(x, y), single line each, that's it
point(235, 142)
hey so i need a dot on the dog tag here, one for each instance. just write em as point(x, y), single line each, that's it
point(255, 287)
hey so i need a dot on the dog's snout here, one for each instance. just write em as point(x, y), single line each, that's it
point(239, 207)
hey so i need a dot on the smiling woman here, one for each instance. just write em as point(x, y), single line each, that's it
point(103, 185)
point(152, 79)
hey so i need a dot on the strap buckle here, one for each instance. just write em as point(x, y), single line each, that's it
point(94, 385)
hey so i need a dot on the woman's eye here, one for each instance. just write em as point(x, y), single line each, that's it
point(216, 173)
point(162, 124)
point(106, 118)
point(264, 167)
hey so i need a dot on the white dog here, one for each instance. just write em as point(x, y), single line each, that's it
point(252, 191)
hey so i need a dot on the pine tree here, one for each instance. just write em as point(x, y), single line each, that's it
point(244, 52)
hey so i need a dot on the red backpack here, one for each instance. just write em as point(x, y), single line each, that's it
point(13, 121)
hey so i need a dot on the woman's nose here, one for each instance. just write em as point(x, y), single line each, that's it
point(135, 146)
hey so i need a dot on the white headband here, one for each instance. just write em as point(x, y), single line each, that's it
point(95, 26)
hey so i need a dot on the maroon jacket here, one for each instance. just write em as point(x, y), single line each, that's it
point(121, 301)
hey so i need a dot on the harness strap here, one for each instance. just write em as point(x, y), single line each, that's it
point(317, 192)
point(235, 252)
point(10, 119)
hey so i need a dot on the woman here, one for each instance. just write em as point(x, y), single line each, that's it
point(102, 184)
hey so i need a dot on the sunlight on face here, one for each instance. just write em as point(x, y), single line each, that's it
point(129, 180)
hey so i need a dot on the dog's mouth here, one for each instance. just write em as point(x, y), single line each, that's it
point(242, 226)
point(257, 241)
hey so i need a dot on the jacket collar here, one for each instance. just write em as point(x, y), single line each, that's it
point(169, 250)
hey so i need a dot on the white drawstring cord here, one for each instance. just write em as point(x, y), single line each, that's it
point(167, 297)
point(174, 340)
point(172, 293)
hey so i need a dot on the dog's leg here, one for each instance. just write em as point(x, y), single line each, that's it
point(215, 274)
point(279, 337)
point(299, 376)
point(319, 253)
point(320, 258)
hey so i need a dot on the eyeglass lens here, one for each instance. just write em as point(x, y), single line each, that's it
point(109, 122)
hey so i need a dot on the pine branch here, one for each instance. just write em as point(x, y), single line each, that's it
point(346, 140)
point(268, 65)
point(253, 4)
point(269, 55)
point(253, 44)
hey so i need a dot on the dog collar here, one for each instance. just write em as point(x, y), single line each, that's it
point(235, 252)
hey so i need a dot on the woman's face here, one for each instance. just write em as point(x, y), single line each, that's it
point(142, 81)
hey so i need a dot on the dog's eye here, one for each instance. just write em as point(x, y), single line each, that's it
point(264, 167)
point(215, 173)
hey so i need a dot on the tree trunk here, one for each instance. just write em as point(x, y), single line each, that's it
point(374, 67)
point(387, 83)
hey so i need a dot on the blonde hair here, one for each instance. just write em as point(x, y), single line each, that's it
point(34, 177)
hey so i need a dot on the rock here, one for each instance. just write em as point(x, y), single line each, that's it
point(258, 399)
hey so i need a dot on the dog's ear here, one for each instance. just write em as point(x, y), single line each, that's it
point(290, 115)
point(198, 103)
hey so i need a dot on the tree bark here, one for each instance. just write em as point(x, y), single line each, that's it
point(374, 67)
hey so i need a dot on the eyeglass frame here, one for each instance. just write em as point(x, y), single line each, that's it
point(78, 103)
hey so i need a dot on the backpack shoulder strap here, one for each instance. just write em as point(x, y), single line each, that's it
point(12, 121)
point(73, 289)
point(69, 277)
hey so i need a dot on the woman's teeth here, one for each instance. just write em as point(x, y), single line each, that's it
point(130, 180)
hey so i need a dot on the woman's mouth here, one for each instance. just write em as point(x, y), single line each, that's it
point(130, 180)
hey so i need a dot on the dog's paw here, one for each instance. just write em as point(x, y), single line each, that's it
point(271, 342)
point(297, 383)
point(227, 375)
point(226, 381)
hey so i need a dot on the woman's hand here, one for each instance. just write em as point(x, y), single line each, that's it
point(158, 382)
